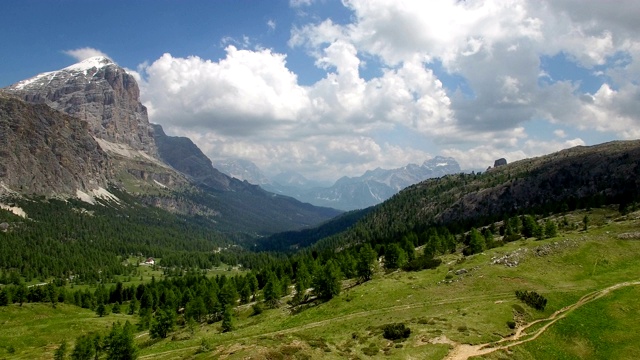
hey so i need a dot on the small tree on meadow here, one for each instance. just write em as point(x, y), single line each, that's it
point(326, 283)
point(366, 263)
point(477, 242)
point(227, 319)
point(550, 229)
point(394, 257)
point(101, 310)
point(162, 324)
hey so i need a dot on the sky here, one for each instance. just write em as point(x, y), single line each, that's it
point(328, 88)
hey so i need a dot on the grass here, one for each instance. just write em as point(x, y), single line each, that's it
point(474, 308)
point(34, 331)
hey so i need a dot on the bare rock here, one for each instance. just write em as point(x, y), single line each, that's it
point(99, 92)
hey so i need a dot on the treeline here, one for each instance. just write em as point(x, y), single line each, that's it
point(64, 238)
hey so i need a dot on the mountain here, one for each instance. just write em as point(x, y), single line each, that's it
point(99, 92)
point(378, 185)
point(238, 204)
point(241, 169)
point(81, 132)
point(185, 156)
point(60, 155)
point(575, 178)
point(347, 193)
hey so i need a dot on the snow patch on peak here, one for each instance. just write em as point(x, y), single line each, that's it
point(88, 66)
point(24, 83)
point(96, 62)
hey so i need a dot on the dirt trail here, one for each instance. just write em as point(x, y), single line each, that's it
point(465, 351)
point(460, 351)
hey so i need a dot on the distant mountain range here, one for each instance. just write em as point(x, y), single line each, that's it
point(348, 193)
point(582, 177)
point(80, 131)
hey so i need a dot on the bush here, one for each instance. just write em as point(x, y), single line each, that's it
point(421, 263)
point(511, 238)
point(395, 331)
point(257, 309)
point(511, 324)
point(532, 299)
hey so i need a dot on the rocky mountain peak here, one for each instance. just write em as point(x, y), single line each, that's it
point(99, 92)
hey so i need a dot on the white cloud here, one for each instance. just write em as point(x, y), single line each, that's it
point(300, 3)
point(560, 133)
point(482, 156)
point(250, 104)
point(84, 53)
point(271, 24)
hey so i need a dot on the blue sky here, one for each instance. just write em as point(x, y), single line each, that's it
point(328, 88)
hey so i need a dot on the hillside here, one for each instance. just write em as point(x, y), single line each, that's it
point(464, 308)
point(574, 178)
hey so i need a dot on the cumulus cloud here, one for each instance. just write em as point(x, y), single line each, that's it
point(250, 104)
point(84, 53)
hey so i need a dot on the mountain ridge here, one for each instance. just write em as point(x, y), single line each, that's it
point(95, 104)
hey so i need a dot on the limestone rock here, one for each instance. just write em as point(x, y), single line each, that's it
point(99, 92)
point(43, 151)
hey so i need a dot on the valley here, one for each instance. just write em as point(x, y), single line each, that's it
point(581, 273)
point(120, 238)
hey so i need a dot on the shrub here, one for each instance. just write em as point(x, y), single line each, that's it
point(511, 324)
point(395, 331)
point(421, 263)
point(532, 299)
point(511, 238)
point(257, 309)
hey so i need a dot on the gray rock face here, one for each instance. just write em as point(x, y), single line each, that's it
point(43, 151)
point(99, 92)
point(500, 162)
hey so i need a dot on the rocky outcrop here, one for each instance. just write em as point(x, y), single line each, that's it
point(99, 92)
point(500, 162)
point(43, 151)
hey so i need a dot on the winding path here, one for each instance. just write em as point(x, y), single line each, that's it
point(465, 351)
point(460, 351)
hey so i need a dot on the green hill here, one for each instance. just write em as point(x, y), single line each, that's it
point(444, 308)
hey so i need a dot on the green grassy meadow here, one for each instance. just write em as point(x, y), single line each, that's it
point(472, 308)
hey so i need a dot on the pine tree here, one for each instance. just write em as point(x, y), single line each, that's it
point(120, 342)
point(227, 319)
point(477, 242)
point(162, 324)
point(84, 348)
point(550, 229)
point(326, 283)
point(101, 310)
point(366, 262)
point(394, 257)
point(271, 291)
